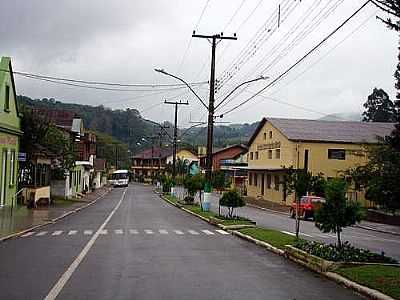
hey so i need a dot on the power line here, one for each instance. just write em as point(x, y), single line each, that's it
point(298, 61)
point(234, 15)
point(97, 87)
point(190, 40)
point(99, 82)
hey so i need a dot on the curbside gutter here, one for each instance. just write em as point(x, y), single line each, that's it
point(260, 243)
point(377, 230)
point(52, 221)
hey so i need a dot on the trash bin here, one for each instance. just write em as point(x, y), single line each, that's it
point(206, 202)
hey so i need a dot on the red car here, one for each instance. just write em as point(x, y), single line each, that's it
point(308, 205)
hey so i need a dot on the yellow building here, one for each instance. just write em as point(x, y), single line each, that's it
point(327, 147)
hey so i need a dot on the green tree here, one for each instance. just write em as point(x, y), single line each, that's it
point(218, 180)
point(380, 177)
point(232, 200)
point(379, 108)
point(337, 213)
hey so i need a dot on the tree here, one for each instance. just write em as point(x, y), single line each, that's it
point(337, 213)
point(218, 180)
point(392, 7)
point(193, 184)
point(380, 177)
point(301, 182)
point(379, 108)
point(232, 200)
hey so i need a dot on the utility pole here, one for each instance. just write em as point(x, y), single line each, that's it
point(214, 40)
point(175, 134)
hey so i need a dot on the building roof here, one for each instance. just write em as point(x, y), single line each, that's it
point(153, 153)
point(327, 131)
point(218, 150)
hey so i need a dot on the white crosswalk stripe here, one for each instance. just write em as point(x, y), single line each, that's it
point(221, 231)
point(28, 234)
point(208, 232)
point(132, 232)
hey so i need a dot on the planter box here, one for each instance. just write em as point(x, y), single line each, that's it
point(315, 263)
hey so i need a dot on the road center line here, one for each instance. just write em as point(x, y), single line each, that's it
point(55, 291)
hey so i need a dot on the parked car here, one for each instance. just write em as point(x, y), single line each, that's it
point(308, 205)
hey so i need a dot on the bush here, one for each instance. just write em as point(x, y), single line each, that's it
point(232, 200)
point(167, 183)
point(346, 253)
point(193, 184)
point(188, 200)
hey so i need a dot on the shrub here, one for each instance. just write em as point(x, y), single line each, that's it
point(188, 200)
point(232, 200)
point(346, 253)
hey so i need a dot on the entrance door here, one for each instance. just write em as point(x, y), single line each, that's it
point(262, 183)
point(3, 180)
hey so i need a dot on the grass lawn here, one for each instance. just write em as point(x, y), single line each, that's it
point(171, 198)
point(196, 209)
point(382, 278)
point(235, 222)
point(273, 237)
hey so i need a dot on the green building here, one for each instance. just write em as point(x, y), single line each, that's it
point(10, 132)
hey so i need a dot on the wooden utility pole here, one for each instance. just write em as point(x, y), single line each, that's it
point(175, 134)
point(213, 39)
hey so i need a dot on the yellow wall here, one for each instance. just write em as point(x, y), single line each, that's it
point(292, 154)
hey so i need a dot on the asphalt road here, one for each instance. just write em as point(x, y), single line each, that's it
point(362, 238)
point(133, 245)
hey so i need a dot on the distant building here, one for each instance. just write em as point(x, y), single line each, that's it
point(10, 133)
point(327, 147)
point(80, 179)
point(228, 153)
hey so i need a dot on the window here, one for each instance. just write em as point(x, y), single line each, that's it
point(250, 178)
point(12, 167)
point(251, 155)
point(269, 179)
point(265, 135)
point(255, 179)
point(337, 154)
point(256, 154)
point(7, 100)
point(270, 154)
point(276, 182)
point(270, 134)
point(278, 154)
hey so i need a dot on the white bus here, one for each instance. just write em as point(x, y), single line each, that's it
point(120, 178)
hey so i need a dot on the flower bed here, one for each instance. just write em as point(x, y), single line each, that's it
point(347, 253)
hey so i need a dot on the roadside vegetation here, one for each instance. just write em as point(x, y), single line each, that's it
point(273, 237)
point(382, 278)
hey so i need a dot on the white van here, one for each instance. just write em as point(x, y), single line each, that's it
point(120, 178)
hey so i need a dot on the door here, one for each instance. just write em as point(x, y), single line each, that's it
point(3, 179)
point(262, 183)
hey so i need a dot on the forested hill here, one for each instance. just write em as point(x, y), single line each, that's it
point(128, 127)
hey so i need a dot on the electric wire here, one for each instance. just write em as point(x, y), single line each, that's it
point(282, 75)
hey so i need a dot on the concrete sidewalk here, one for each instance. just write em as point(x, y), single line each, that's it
point(20, 218)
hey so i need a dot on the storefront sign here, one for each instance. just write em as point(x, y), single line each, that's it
point(269, 146)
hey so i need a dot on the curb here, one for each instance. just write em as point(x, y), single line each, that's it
point(363, 290)
point(260, 243)
point(16, 234)
point(266, 209)
point(377, 230)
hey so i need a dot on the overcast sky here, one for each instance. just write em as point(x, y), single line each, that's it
point(123, 41)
